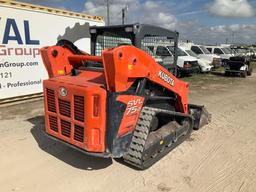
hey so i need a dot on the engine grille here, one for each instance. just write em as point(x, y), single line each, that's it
point(53, 123)
point(65, 128)
point(79, 133)
point(64, 108)
point(79, 108)
point(51, 100)
point(60, 121)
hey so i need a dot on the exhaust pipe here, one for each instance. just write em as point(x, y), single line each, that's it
point(200, 115)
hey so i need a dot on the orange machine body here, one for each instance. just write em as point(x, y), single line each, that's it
point(94, 107)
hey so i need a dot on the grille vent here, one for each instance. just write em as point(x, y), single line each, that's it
point(65, 128)
point(79, 133)
point(64, 108)
point(79, 108)
point(53, 123)
point(51, 100)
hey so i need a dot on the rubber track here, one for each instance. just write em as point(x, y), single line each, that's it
point(134, 155)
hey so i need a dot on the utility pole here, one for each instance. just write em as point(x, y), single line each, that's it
point(108, 19)
point(233, 37)
point(123, 16)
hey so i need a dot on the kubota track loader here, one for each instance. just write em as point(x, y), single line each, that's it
point(121, 103)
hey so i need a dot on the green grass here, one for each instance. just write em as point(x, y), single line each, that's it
point(204, 80)
point(215, 78)
point(253, 65)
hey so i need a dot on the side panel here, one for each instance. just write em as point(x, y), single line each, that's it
point(122, 115)
point(131, 114)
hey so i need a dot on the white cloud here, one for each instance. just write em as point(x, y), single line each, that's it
point(150, 5)
point(151, 12)
point(235, 27)
point(239, 33)
point(191, 13)
point(231, 8)
point(98, 7)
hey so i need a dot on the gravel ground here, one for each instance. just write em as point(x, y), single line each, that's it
point(219, 157)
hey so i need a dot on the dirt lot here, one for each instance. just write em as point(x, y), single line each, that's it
point(219, 157)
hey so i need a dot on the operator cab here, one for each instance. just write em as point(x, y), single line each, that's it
point(142, 36)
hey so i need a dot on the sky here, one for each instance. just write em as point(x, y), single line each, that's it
point(200, 21)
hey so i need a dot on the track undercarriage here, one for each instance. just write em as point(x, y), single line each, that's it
point(155, 136)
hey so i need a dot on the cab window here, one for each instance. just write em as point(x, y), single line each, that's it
point(209, 49)
point(218, 51)
point(162, 51)
point(196, 50)
point(151, 48)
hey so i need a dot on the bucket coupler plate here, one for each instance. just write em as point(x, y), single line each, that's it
point(200, 115)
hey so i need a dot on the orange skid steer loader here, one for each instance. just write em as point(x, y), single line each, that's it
point(121, 103)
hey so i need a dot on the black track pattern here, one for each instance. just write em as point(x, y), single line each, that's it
point(134, 155)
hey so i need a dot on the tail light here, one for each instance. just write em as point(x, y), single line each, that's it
point(96, 105)
point(187, 64)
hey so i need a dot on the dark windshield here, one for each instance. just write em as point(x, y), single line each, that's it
point(148, 49)
point(179, 51)
point(206, 51)
point(226, 50)
point(241, 50)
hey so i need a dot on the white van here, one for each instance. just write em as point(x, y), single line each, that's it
point(224, 52)
point(185, 64)
point(203, 53)
point(205, 65)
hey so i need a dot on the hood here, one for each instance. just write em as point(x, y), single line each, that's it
point(204, 61)
point(187, 58)
point(225, 56)
point(208, 57)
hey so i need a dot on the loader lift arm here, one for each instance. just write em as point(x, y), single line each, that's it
point(123, 65)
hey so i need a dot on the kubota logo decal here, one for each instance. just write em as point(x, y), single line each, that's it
point(133, 106)
point(63, 92)
point(162, 75)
